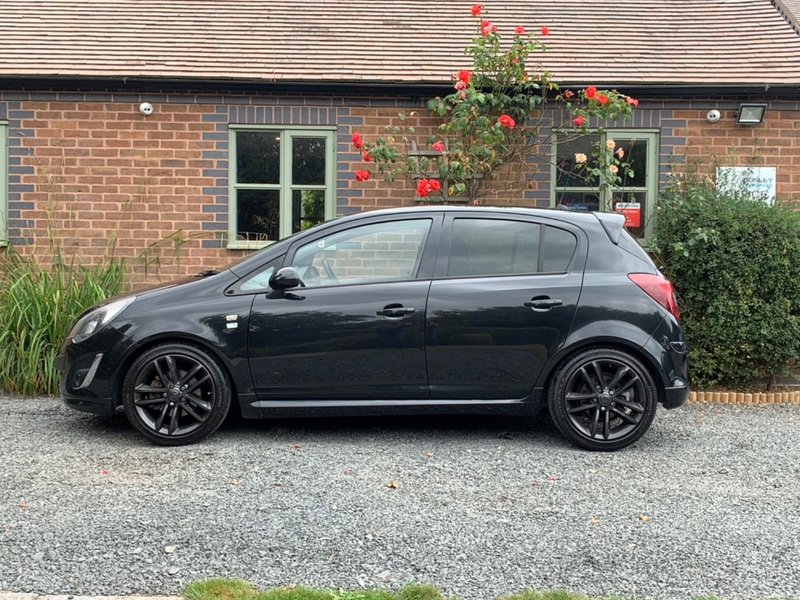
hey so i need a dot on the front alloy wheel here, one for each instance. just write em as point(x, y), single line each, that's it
point(176, 394)
point(603, 399)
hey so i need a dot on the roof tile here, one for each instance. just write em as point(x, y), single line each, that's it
point(625, 42)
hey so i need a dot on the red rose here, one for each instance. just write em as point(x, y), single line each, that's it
point(545, 31)
point(506, 121)
point(464, 75)
point(362, 175)
point(578, 121)
point(460, 85)
point(426, 186)
point(630, 100)
point(365, 156)
point(519, 30)
point(422, 188)
point(438, 146)
point(602, 98)
point(357, 141)
point(476, 10)
point(590, 92)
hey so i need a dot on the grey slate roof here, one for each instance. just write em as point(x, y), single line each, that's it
point(621, 42)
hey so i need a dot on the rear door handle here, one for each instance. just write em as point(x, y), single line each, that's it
point(543, 303)
point(394, 311)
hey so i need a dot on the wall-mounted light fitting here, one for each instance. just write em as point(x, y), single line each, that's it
point(750, 114)
point(146, 109)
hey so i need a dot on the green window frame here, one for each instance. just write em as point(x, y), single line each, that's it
point(3, 183)
point(642, 149)
point(281, 180)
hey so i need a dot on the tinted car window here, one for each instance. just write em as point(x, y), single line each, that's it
point(559, 246)
point(493, 247)
point(369, 253)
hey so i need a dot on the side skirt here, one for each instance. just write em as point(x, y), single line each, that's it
point(255, 409)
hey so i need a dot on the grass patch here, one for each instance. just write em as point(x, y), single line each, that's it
point(236, 589)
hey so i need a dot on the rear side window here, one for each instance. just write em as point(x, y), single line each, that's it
point(504, 247)
point(559, 246)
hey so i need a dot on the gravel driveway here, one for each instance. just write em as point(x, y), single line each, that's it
point(707, 503)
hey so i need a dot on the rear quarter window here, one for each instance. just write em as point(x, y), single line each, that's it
point(558, 249)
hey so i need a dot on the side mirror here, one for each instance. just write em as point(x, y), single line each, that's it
point(284, 279)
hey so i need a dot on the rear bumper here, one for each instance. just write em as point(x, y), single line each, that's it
point(676, 396)
point(677, 393)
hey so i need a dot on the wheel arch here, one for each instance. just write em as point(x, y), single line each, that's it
point(566, 353)
point(176, 338)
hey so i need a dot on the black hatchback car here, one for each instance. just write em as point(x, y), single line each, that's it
point(415, 310)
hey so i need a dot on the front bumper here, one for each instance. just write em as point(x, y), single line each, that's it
point(91, 371)
point(96, 406)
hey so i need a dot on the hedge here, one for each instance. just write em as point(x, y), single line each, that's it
point(735, 263)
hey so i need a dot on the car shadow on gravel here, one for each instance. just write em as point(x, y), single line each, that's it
point(540, 427)
point(495, 426)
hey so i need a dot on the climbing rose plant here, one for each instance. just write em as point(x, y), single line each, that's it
point(493, 117)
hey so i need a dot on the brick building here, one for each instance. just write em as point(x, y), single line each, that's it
point(235, 84)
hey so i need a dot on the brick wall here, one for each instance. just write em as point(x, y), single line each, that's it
point(93, 173)
point(773, 143)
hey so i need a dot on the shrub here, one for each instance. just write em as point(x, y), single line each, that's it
point(734, 262)
point(37, 306)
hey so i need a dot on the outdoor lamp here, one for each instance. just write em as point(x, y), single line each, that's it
point(750, 114)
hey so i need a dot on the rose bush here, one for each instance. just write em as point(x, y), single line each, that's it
point(493, 118)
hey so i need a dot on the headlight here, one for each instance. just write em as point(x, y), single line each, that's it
point(93, 321)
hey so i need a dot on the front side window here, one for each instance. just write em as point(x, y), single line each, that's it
point(281, 181)
point(634, 196)
point(373, 253)
point(3, 183)
point(501, 247)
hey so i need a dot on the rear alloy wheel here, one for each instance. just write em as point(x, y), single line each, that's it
point(176, 394)
point(603, 399)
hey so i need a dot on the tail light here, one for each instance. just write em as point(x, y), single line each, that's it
point(659, 289)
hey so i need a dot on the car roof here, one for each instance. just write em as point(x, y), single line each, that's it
point(611, 222)
point(521, 210)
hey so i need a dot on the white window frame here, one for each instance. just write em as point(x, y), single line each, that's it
point(3, 183)
point(285, 185)
point(651, 184)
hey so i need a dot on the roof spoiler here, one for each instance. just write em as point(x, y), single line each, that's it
point(613, 223)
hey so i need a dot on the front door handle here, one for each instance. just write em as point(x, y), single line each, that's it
point(543, 303)
point(394, 311)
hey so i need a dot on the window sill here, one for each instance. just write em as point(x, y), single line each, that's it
point(246, 245)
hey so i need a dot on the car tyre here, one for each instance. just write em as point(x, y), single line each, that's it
point(176, 394)
point(602, 399)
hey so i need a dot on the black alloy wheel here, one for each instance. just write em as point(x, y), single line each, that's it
point(176, 394)
point(603, 399)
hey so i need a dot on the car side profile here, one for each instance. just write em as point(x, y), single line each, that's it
point(437, 309)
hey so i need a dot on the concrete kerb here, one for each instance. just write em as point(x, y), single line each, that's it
point(22, 596)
